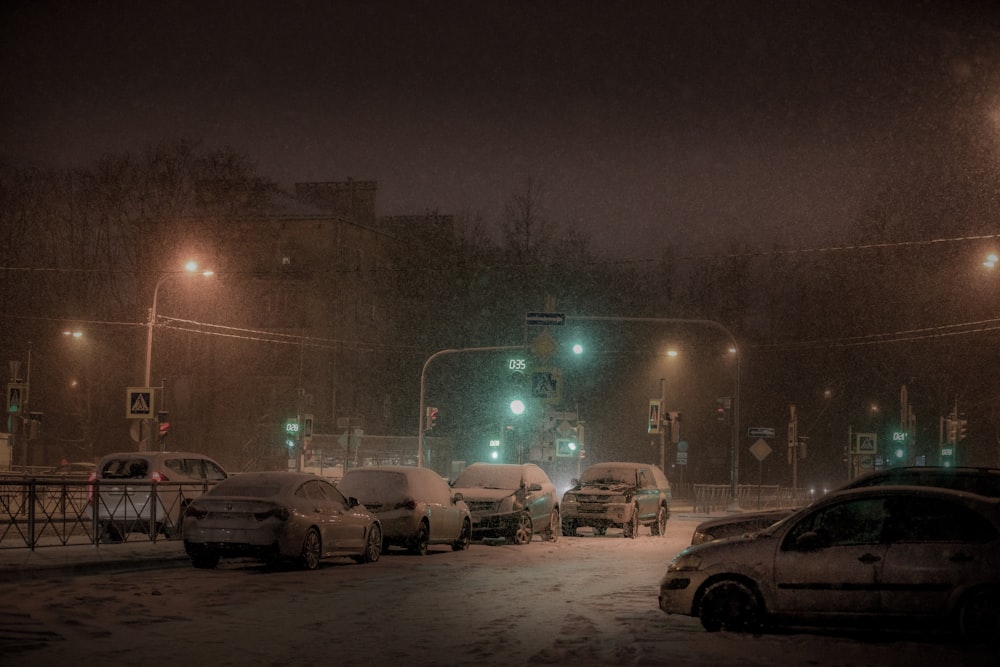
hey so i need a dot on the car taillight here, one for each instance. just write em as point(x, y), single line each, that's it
point(158, 476)
point(195, 512)
point(279, 513)
point(90, 486)
point(408, 504)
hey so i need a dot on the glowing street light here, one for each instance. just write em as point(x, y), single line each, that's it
point(190, 268)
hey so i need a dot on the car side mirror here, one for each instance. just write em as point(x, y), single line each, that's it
point(457, 498)
point(352, 502)
point(574, 482)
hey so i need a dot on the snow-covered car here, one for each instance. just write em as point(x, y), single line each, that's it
point(511, 501)
point(416, 506)
point(618, 495)
point(917, 557)
point(148, 491)
point(279, 515)
point(982, 481)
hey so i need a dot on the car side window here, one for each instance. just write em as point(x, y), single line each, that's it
point(849, 523)
point(932, 520)
point(644, 479)
point(194, 468)
point(333, 493)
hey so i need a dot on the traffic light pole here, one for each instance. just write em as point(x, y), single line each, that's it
point(423, 379)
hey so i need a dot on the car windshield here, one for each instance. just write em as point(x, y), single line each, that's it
point(608, 476)
point(489, 477)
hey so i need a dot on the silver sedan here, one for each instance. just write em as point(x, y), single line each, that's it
point(279, 516)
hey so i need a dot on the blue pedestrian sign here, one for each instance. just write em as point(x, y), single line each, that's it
point(140, 403)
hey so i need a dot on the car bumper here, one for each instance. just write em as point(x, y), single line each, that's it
point(494, 525)
point(677, 594)
point(596, 515)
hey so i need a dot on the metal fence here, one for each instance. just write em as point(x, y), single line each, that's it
point(44, 511)
point(714, 497)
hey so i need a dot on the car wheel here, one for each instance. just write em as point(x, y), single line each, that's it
point(110, 533)
point(205, 559)
point(569, 528)
point(660, 526)
point(979, 615)
point(600, 530)
point(730, 605)
point(551, 534)
point(464, 538)
point(422, 539)
point(523, 532)
point(373, 546)
point(631, 527)
point(312, 550)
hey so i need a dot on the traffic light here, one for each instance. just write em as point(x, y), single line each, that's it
point(517, 385)
point(951, 427)
point(722, 408)
point(15, 396)
point(900, 450)
point(292, 431)
point(432, 415)
point(35, 425)
point(962, 423)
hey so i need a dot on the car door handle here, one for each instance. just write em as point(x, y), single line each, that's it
point(868, 559)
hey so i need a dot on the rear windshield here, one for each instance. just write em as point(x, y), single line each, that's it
point(983, 484)
point(125, 468)
point(246, 489)
point(489, 477)
point(375, 487)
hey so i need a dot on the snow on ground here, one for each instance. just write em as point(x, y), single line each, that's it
point(579, 601)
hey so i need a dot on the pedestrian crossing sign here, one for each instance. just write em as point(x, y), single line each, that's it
point(141, 403)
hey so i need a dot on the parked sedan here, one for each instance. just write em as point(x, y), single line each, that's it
point(279, 516)
point(618, 495)
point(416, 506)
point(510, 501)
point(915, 557)
point(982, 481)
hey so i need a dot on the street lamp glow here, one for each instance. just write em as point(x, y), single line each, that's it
point(991, 260)
point(671, 353)
point(74, 334)
point(577, 348)
point(190, 267)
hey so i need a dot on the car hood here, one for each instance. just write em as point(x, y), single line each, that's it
point(603, 488)
point(477, 493)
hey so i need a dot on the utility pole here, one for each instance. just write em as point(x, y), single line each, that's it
point(793, 449)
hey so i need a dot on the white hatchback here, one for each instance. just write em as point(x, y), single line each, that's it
point(147, 491)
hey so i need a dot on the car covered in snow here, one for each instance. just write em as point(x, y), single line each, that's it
point(509, 501)
point(416, 506)
point(906, 556)
point(279, 516)
point(618, 494)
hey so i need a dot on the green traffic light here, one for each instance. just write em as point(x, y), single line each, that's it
point(517, 406)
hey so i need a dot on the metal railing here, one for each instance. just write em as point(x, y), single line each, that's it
point(57, 511)
point(715, 497)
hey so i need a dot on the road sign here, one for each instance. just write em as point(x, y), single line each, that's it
point(760, 432)
point(544, 319)
point(140, 403)
point(760, 450)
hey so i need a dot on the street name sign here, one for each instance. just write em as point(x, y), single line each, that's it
point(545, 319)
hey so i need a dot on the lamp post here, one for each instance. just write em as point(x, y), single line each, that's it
point(146, 444)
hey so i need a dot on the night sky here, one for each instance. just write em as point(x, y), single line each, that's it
point(700, 123)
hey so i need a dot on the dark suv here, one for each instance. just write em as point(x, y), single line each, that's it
point(981, 481)
point(618, 495)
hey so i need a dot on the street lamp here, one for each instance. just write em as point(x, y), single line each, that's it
point(190, 268)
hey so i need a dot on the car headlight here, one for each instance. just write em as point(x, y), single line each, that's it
point(685, 562)
point(701, 538)
point(569, 498)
